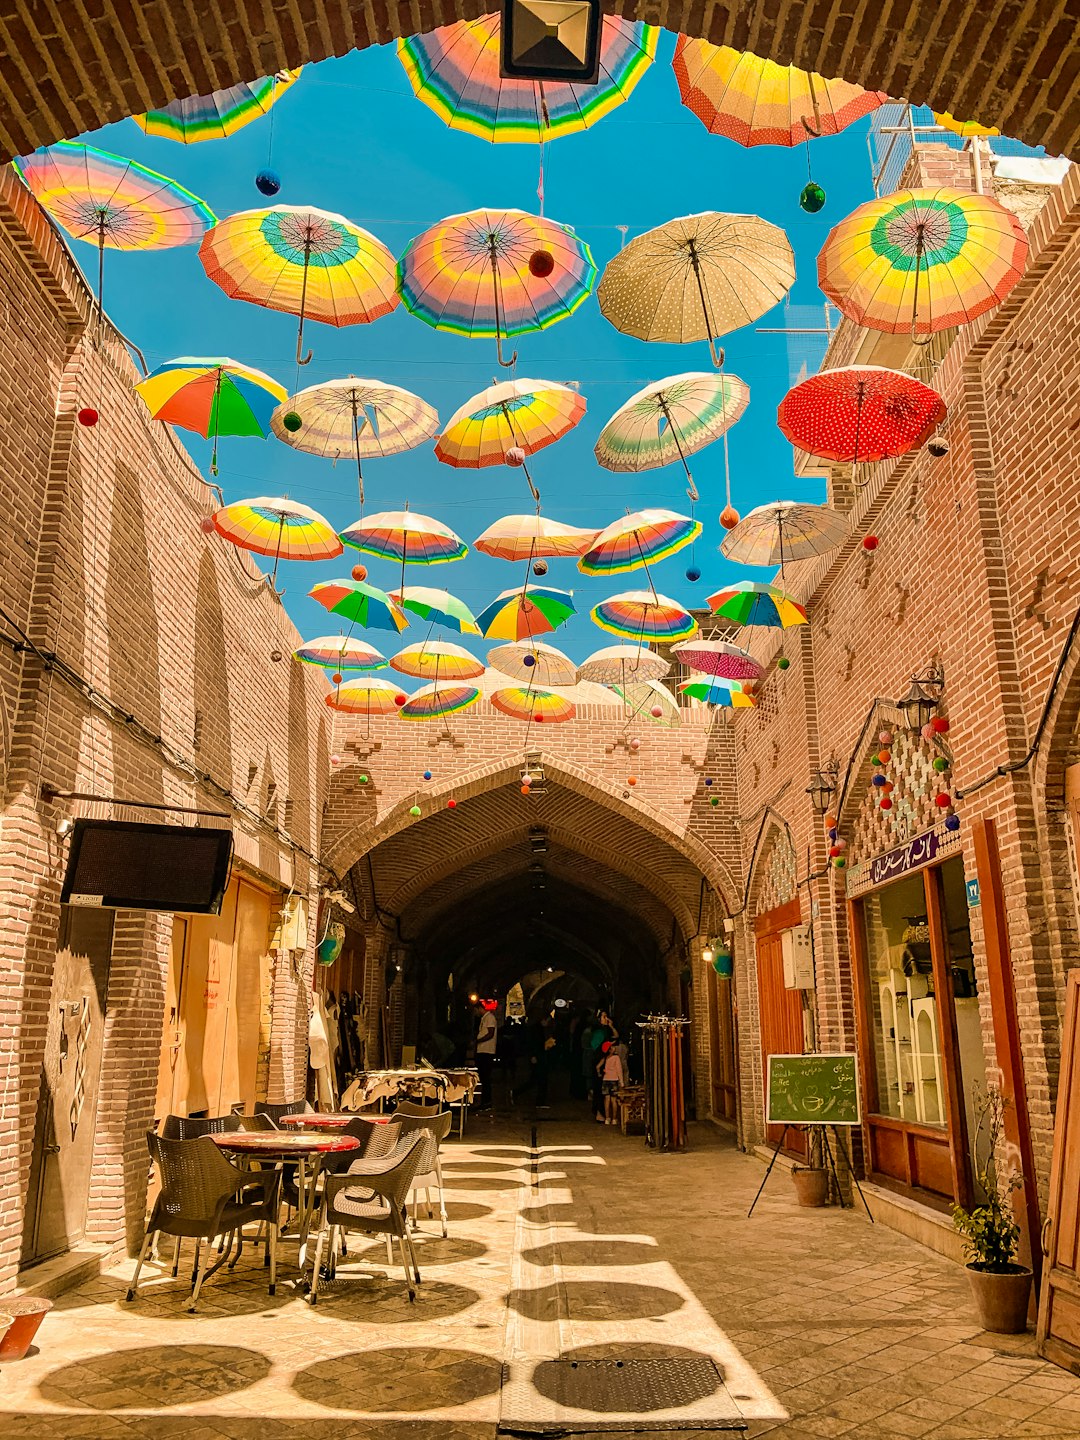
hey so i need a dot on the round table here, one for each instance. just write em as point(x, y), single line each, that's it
point(287, 1145)
point(330, 1120)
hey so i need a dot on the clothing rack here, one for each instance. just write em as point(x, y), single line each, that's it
point(665, 1092)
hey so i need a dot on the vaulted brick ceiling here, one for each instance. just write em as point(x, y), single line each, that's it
point(75, 66)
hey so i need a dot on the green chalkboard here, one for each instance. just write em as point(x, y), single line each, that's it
point(812, 1090)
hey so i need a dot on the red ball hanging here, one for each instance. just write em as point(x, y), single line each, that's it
point(943, 801)
point(886, 803)
point(870, 542)
point(452, 804)
point(206, 525)
point(834, 850)
point(400, 699)
point(336, 678)
point(359, 572)
point(541, 264)
point(939, 725)
point(88, 416)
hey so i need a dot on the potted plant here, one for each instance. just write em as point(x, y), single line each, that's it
point(811, 1181)
point(1001, 1287)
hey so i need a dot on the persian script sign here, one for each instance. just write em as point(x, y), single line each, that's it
point(812, 1090)
point(922, 850)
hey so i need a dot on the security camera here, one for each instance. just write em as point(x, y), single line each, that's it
point(338, 897)
point(938, 446)
point(65, 827)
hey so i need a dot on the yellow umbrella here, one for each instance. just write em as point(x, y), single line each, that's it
point(970, 129)
point(437, 660)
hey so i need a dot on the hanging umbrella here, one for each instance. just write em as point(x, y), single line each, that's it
point(644, 697)
point(340, 652)
point(970, 129)
point(305, 262)
point(211, 397)
point(354, 417)
point(521, 414)
point(480, 274)
point(525, 612)
point(455, 71)
point(784, 530)
point(529, 537)
point(718, 658)
point(111, 202)
point(533, 661)
point(670, 420)
point(633, 540)
point(757, 102)
point(643, 615)
point(215, 116)
point(622, 665)
point(860, 413)
point(405, 535)
point(437, 659)
point(438, 606)
point(523, 702)
point(697, 278)
point(366, 696)
point(362, 604)
point(752, 602)
point(278, 527)
point(713, 691)
point(431, 702)
point(921, 261)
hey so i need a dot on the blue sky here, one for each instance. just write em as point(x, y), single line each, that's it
point(350, 137)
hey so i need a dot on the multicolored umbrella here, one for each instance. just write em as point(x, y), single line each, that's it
point(757, 102)
point(643, 615)
point(362, 604)
point(431, 702)
point(533, 537)
point(278, 527)
point(407, 536)
point(718, 658)
point(752, 602)
point(633, 540)
point(712, 691)
point(622, 665)
point(455, 71)
point(354, 417)
point(215, 116)
point(523, 702)
point(437, 606)
point(366, 696)
point(212, 397)
point(305, 262)
point(860, 413)
point(525, 612)
point(437, 660)
point(494, 274)
point(340, 652)
point(697, 278)
point(111, 202)
point(970, 129)
point(784, 530)
point(534, 661)
point(517, 414)
point(921, 261)
point(644, 697)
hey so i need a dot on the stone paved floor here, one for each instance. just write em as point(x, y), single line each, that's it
point(821, 1324)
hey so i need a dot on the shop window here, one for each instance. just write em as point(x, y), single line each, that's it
point(965, 991)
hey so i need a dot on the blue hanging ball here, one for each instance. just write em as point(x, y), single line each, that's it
point(528, 661)
point(953, 822)
point(878, 779)
point(268, 182)
point(427, 774)
point(693, 573)
point(832, 833)
point(708, 782)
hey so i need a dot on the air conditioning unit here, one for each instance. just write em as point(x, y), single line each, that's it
point(798, 952)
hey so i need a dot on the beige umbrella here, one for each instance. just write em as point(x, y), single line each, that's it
point(784, 530)
point(623, 665)
point(535, 662)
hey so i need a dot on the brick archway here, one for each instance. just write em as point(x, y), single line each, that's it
point(1013, 65)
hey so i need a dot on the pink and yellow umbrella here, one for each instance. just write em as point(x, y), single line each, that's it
point(524, 702)
point(431, 702)
point(718, 658)
point(643, 615)
point(367, 695)
point(340, 652)
point(273, 525)
point(437, 660)
point(633, 540)
point(533, 537)
point(405, 535)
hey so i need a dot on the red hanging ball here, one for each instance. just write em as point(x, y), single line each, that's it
point(539, 719)
point(88, 416)
point(359, 572)
point(541, 264)
point(206, 525)
point(834, 850)
point(400, 699)
point(335, 679)
point(870, 542)
point(451, 804)
point(939, 725)
point(886, 803)
point(943, 801)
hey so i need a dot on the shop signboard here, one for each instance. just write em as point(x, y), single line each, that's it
point(812, 1090)
point(921, 850)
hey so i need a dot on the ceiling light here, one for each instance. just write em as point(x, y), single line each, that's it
point(551, 40)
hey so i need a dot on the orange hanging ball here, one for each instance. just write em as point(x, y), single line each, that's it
point(631, 779)
point(335, 679)
point(729, 517)
point(526, 789)
point(541, 264)
point(359, 572)
point(206, 525)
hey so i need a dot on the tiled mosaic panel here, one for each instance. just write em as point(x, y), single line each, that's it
point(778, 883)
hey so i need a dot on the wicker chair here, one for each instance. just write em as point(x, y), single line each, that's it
point(204, 1195)
point(275, 1111)
point(190, 1127)
point(375, 1142)
point(437, 1123)
point(371, 1197)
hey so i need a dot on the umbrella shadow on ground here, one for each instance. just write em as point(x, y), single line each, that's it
point(553, 1213)
point(603, 1300)
point(399, 1378)
point(381, 1298)
point(606, 1253)
point(465, 1210)
point(483, 1182)
point(431, 1249)
point(154, 1376)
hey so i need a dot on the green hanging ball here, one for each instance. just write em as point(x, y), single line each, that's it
point(839, 863)
point(812, 198)
point(940, 763)
point(291, 420)
point(714, 800)
point(783, 663)
point(362, 779)
point(414, 810)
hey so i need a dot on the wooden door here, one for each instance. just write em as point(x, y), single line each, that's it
point(172, 1032)
point(63, 1150)
point(722, 1049)
point(780, 1010)
point(1059, 1305)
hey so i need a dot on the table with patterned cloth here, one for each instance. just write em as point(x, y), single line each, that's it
point(305, 1149)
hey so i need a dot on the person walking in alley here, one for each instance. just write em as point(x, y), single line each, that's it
point(487, 1040)
point(613, 1078)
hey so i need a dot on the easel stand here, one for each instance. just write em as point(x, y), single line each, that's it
point(832, 1166)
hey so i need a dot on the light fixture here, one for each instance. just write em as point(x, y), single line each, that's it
point(708, 954)
point(551, 40)
point(922, 698)
point(822, 785)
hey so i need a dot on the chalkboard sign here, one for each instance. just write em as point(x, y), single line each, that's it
point(812, 1090)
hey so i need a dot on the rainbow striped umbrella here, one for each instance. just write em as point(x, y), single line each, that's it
point(278, 527)
point(405, 535)
point(437, 659)
point(522, 414)
point(529, 537)
point(339, 652)
point(970, 129)
point(473, 274)
point(643, 615)
point(713, 691)
point(361, 604)
point(622, 665)
point(305, 262)
point(718, 658)
point(215, 116)
point(366, 696)
point(431, 702)
point(534, 661)
point(671, 419)
point(757, 102)
point(752, 602)
point(522, 702)
point(633, 540)
point(212, 397)
point(525, 612)
point(921, 261)
point(438, 606)
point(455, 71)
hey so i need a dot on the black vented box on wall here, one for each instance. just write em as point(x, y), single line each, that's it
point(125, 865)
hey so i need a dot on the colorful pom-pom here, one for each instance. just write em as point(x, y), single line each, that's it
point(939, 725)
point(943, 800)
point(541, 264)
point(292, 421)
point(870, 542)
point(693, 574)
point(952, 822)
point(88, 416)
point(414, 810)
point(940, 763)
point(268, 183)
point(451, 804)
point(783, 662)
point(359, 572)
point(886, 803)
point(729, 517)
point(515, 455)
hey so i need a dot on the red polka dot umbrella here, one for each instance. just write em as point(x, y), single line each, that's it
point(860, 413)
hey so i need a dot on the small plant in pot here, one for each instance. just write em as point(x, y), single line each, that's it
point(1001, 1287)
point(811, 1181)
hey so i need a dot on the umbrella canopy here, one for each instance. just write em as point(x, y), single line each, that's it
point(533, 661)
point(860, 413)
point(340, 652)
point(968, 128)
point(718, 658)
point(455, 71)
point(366, 696)
point(362, 604)
point(671, 419)
point(713, 691)
point(634, 540)
point(921, 261)
point(697, 278)
point(525, 612)
point(643, 615)
point(273, 525)
point(305, 262)
point(215, 116)
point(752, 602)
point(522, 414)
point(533, 537)
point(437, 660)
point(438, 606)
point(757, 102)
point(212, 397)
point(784, 530)
point(470, 274)
point(431, 702)
point(524, 702)
point(646, 696)
point(623, 665)
point(405, 535)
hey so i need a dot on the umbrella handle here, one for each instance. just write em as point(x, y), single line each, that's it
point(301, 358)
point(814, 129)
point(506, 364)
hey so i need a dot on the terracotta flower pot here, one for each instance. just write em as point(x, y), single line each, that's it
point(811, 1186)
point(6, 1322)
point(27, 1312)
point(1001, 1298)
